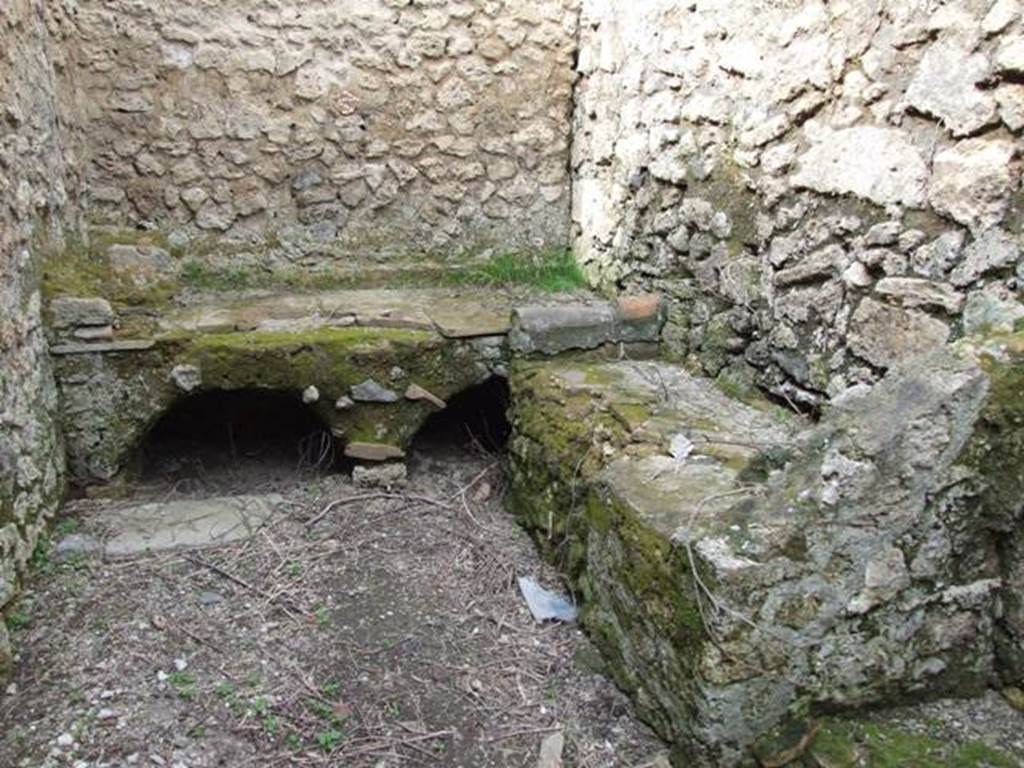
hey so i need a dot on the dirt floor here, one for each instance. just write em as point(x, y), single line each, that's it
point(362, 628)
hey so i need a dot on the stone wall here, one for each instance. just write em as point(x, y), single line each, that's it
point(34, 185)
point(364, 127)
point(823, 192)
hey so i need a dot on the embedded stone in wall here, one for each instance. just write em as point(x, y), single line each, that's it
point(885, 335)
point(837, 163)
point(971, 182)
point(946, 85)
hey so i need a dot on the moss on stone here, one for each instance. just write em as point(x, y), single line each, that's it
point(81, 267)
point(845, 742)
point(996, 454)
point(638, 601)
point(128, 392)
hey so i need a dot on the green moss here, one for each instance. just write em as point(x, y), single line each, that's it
point(80, 268)
point(841, 742)
point(637, 596)
point(996, 453)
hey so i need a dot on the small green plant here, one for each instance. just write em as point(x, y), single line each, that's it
point(272, 726)
point(225, 690)
point(330, 739)
point(294, 569)
point(331, 690)
point(322, 616)
point(184, 684)
point(293, 741)
point(40, 561)
point(19, 619)
point(321, 710)
point(260, 706)
point(76, 696)
point(553, 271)
point(65, 527)
point(197, 275)
point(393, 709)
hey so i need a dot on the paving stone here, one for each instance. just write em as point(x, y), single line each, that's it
point(190, 524)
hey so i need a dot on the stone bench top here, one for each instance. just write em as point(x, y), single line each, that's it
point(544, 323)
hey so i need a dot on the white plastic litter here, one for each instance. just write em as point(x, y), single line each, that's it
point(544, 604)
point(680, 448)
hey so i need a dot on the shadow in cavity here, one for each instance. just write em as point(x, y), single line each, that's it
point(475, 420)
point(237, 441)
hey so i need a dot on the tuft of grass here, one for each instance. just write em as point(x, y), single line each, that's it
point(18, 619)
point(197, 275)
point(553, 271)
point(184, 684)
point(330, 739)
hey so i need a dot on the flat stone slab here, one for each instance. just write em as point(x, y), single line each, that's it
point(188, 524)
point(111, 347)
point(455, 314)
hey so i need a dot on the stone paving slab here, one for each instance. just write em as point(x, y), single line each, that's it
point(186, 524)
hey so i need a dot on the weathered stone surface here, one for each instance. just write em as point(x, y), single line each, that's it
point(885, 335)
point(38, 183)
point(915, 292)
point(946, 86)
point(416, 392)
point(187, 378)
point(808, 142)
point(464, 318)
point(1010, 57)
point(557, 328)
point(113, 347)
point(551, 751)
point(70, 312)
point(391, 475)
point(373, 451)
point(111, 398)
point(638, 505)
point(991, 250)
point(142, 265)
point(882, 496)
point(1010, 98)
point(993, 309)
point(370, 391)
point(401, 146)
point(971, 182)
point(184, 524)
point(835, 165)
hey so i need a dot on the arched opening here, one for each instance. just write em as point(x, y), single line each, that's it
point(236, 441)
point(476, 419)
